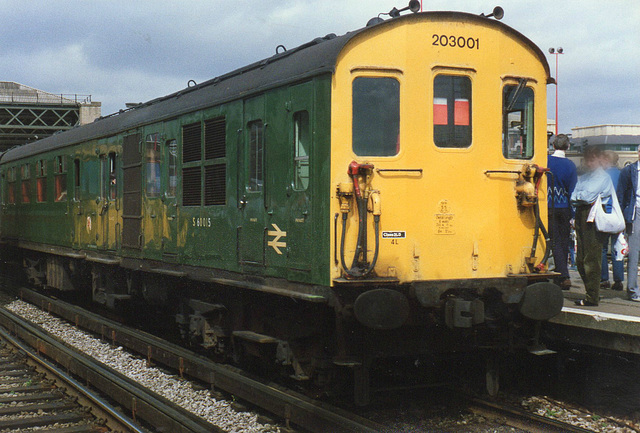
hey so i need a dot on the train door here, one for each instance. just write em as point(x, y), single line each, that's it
point(76, 206)
point(251, 197)
point(132, 192)
point(299, 191)
point(170, 226)
point(109, 205)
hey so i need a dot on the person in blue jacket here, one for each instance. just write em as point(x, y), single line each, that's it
point(564, 181)
point(628, 196)
point(610, 165)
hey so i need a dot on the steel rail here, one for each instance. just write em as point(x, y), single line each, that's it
point(115, 419)
point(307, 413)
point(522, 419)
point(156, 410)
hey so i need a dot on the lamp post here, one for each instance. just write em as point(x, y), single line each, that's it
point(556, 51)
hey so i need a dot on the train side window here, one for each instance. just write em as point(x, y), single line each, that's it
point(113, 192)
point(41, 181)
point(11, 185)
point(152, 158)
point(302, 147)
point(172, 156)
point(25, 175)
point(76, 178)
point(103, 173)
point(376, 116)
point(452, 111)
point(60, 178)
point(517, 122)
point(256, 156)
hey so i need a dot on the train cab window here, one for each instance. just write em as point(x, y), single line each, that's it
point(25, 175)
point(302, 147)
point(60, 178)
point(452, 111)
point(152, 158)
point(256, 156)
point(172, 167)
point(11, 185)
point(41, 181)
point(517, 121)
point(376, 116)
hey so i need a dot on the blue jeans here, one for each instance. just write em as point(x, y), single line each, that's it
point(618, 265)
point(572, 255)
point(559, 230)
point(632, 263)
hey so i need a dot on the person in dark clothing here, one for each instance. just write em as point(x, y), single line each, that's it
point(564, 181)
point(628, 195)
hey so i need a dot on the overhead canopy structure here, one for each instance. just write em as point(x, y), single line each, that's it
point(28, 114)
point(624, 138)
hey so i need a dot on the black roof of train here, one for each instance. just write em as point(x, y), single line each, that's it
point(311, 59)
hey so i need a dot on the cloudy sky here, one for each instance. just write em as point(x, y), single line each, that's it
point(135, 50)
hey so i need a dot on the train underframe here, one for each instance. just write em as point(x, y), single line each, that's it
point(330, 347)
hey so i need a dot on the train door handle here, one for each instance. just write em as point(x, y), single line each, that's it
point(243, 201)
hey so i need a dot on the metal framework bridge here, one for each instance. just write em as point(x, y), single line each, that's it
point(28, 114)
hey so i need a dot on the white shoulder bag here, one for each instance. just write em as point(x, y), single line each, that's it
point(607, 222)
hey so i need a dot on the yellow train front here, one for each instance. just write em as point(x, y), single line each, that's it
point(438, 152)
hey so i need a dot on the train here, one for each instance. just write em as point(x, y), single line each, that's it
point(365, 197)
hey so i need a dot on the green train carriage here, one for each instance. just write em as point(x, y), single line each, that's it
point(222, 202)
point(170, 192)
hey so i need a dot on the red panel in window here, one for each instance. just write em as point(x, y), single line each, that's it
point(440, 111)
point(461, 110)
point(12, 193)
point(41, 190)
point(26, 191)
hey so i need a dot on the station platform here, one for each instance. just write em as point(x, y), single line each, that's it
point(613, 325)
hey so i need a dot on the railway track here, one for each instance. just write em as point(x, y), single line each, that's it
point(293, 408)
point(296, 410)
point(156, 411)
point(34, 393)
point(521, 419)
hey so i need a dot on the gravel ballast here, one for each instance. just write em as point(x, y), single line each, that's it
point(179, 391)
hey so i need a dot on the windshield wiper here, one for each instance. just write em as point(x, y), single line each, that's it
point(521, 85)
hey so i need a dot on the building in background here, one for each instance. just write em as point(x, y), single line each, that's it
point(28, 114)
point(623, 139)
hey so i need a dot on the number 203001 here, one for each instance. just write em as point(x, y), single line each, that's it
point(456, 41)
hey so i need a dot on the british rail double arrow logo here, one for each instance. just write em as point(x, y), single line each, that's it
point(275, 243)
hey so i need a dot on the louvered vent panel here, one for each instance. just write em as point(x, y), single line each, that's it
point(191, 186)
point(131, 150)
point(215, 145)
point(215, 185)
point(191, 142)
